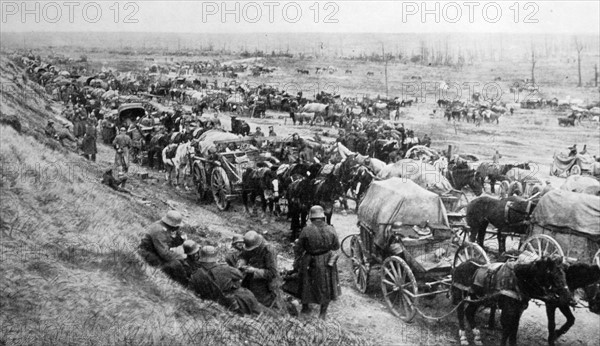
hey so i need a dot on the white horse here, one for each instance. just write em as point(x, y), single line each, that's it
point(179, 162)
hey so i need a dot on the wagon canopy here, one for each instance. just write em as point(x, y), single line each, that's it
point(424, 174)
point(582, 184)
point(208, 138)
point(579, 212)
point(397, 199)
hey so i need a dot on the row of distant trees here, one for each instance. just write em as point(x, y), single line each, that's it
point(579, 47)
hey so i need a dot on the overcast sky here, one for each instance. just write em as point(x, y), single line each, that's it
point(303, 16)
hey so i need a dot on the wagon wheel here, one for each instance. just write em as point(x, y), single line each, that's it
point(540, 245)
point(360, 270)
point(575, 170)
point(398, 284)
point(199, 176)
point(220, 188)
point(470, 252)
point(597, 258)
point(344, 247)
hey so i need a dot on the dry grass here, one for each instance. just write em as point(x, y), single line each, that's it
point(70, 275)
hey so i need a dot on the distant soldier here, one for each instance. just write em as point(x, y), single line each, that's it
point(122, 143)
point(496, 157)
point(50, 130)
point(117, 184)
point(272, 132)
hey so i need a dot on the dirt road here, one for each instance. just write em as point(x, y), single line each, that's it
point(368, 313)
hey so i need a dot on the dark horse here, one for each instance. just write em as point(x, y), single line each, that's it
point(355, 177)
point(509, 286)
point(509, 214)
point(497, 172)
point(304, 192)
point(460, 175)
point(261, 181)
point(579, 275)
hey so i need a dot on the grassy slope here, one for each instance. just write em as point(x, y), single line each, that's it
point(69, 271)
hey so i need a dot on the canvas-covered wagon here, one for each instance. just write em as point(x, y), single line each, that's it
point(219, 164)
point(565, 223)
point(404, 229)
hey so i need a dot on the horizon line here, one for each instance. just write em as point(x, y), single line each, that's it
point(300, 33)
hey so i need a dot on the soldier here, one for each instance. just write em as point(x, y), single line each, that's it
point(259, 264)
point(318, 273)
point(156, 245)
point(122, 143)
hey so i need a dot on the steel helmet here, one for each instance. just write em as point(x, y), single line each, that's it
point(317, 212)
point(173, 218)
point(252, 240)
point(190, 247)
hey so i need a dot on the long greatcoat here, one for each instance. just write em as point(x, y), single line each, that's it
point(319, 282)
point(88, 145)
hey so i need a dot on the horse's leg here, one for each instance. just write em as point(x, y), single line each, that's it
point(501, 242)
point(492, 318)
point(470, 314)
point(550, 310)
point(481, 233)
point(245, 200)
point(570, 320)
point(462, 333)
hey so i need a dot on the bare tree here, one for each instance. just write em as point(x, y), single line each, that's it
point(533, 62)
point(579, 48)
point(596, 75)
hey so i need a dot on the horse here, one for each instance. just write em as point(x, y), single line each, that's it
point(578, 275)
point(460, 175)
point(355, 177)
point(178, 163)
point(304, 192)
point(260, 181)
point(158, 142)
point(509, 214)
point(497, 172)
point(510, 286)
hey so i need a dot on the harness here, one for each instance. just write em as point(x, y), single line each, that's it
point(509, 207)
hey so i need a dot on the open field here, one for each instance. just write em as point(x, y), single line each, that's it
point(84, 294)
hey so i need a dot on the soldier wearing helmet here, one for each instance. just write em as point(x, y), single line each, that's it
point(258, 262)
point(156, 245)
point(318, 273)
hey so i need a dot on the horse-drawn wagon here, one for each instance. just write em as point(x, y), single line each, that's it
point(404, 229)
point(574, 165)
point(219, 165)
point(565, 223)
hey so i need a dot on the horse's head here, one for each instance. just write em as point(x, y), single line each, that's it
point(476, 183)
point(587, 277)
point(549, 279)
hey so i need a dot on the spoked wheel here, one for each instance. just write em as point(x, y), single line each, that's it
point(345, 245)
point(360, 271)
point(399, 287)
point(220, 188)
point(200, 183)
point(470, 252)
point(538, 246)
